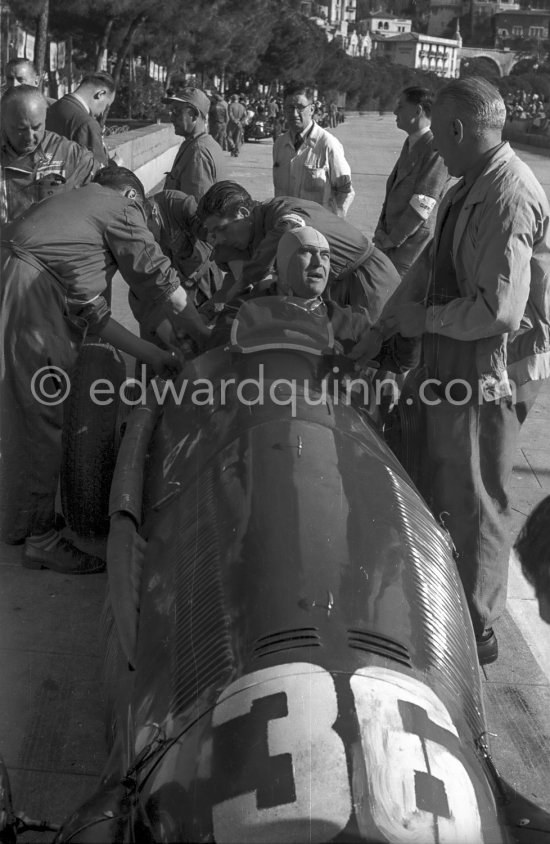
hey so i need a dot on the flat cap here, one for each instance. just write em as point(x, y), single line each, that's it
point(191, 96)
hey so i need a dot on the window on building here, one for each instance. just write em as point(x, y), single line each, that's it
point(386, 25)
point(379, 24)
point(517, 30)
point(503, 33)
point(536, 32)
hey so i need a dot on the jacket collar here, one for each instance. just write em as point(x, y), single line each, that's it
point(476, 194)
point(11, 157)
point(412, 157)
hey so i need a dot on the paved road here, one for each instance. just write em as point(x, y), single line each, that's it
point(51, 728)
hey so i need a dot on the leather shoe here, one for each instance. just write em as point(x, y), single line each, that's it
point(487, 647)
point(59, 554)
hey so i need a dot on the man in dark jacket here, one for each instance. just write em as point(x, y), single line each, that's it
point(35, 163)
point(244, 230)
point(199, 162)
point(415, 185)
point(235, 126)
point(217, 120)
point(76, 115)
point(57, 260)
point(172, 220)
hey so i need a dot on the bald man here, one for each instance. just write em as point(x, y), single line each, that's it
point(35, 163)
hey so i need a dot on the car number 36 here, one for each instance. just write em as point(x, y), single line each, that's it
point(416, 788)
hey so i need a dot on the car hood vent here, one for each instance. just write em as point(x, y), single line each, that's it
point(374, 643)
point(284, 640)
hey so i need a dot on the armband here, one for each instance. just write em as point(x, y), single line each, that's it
point(287, 222)
point(422, 204)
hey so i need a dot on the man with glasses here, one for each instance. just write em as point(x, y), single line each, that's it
point(199, 162)
point(309, 162)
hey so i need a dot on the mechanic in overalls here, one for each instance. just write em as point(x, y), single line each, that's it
point(57, 260)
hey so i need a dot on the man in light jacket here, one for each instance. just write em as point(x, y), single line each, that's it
point(309, 162)
point(481, 302)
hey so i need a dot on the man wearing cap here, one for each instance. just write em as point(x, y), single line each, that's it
point(199, 162)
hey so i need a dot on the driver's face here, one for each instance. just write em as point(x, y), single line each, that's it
point(308, 271)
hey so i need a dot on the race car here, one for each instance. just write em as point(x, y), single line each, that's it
point(258, 129)
point(289, 655)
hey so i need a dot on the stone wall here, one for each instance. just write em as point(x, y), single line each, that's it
point(517, 132)
point(149, 151)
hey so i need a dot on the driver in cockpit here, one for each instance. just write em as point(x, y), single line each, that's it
point(302, 271)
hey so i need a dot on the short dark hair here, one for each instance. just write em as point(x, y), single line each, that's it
point(296, 88)
point(16, 62)
point(423, 97)
point(99, 78)
point(119, 178)
point(533, 548)
point(223, 199)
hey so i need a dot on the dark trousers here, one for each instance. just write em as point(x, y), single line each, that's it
point(219, 133)
point(234, 137)
point(469, 456)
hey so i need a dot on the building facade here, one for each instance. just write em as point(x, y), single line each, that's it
point(419, 51)
point(525, 24)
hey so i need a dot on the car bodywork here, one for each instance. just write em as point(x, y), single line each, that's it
point(295, 656)
point(258, 129)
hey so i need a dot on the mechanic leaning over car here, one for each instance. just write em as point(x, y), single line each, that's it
point(249, 231)
point(57, 260)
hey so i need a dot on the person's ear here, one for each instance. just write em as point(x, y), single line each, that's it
point(130, 193)
point(242, 212)
point(458, 130)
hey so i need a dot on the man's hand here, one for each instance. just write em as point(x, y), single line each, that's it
point(408, 320)
point(166, 364)
point(367, 348)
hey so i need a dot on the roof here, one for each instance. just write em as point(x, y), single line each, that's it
point(415, 36)
point(524, 13)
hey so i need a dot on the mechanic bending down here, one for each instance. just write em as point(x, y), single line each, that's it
point(57, 260)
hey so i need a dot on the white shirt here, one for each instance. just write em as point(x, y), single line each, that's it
point(416, 136)
point(317, 171)
point(80, 100)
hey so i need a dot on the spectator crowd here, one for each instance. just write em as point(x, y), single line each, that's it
point(454, 283)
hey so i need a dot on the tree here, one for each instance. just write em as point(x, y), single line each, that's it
point(295, 50)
